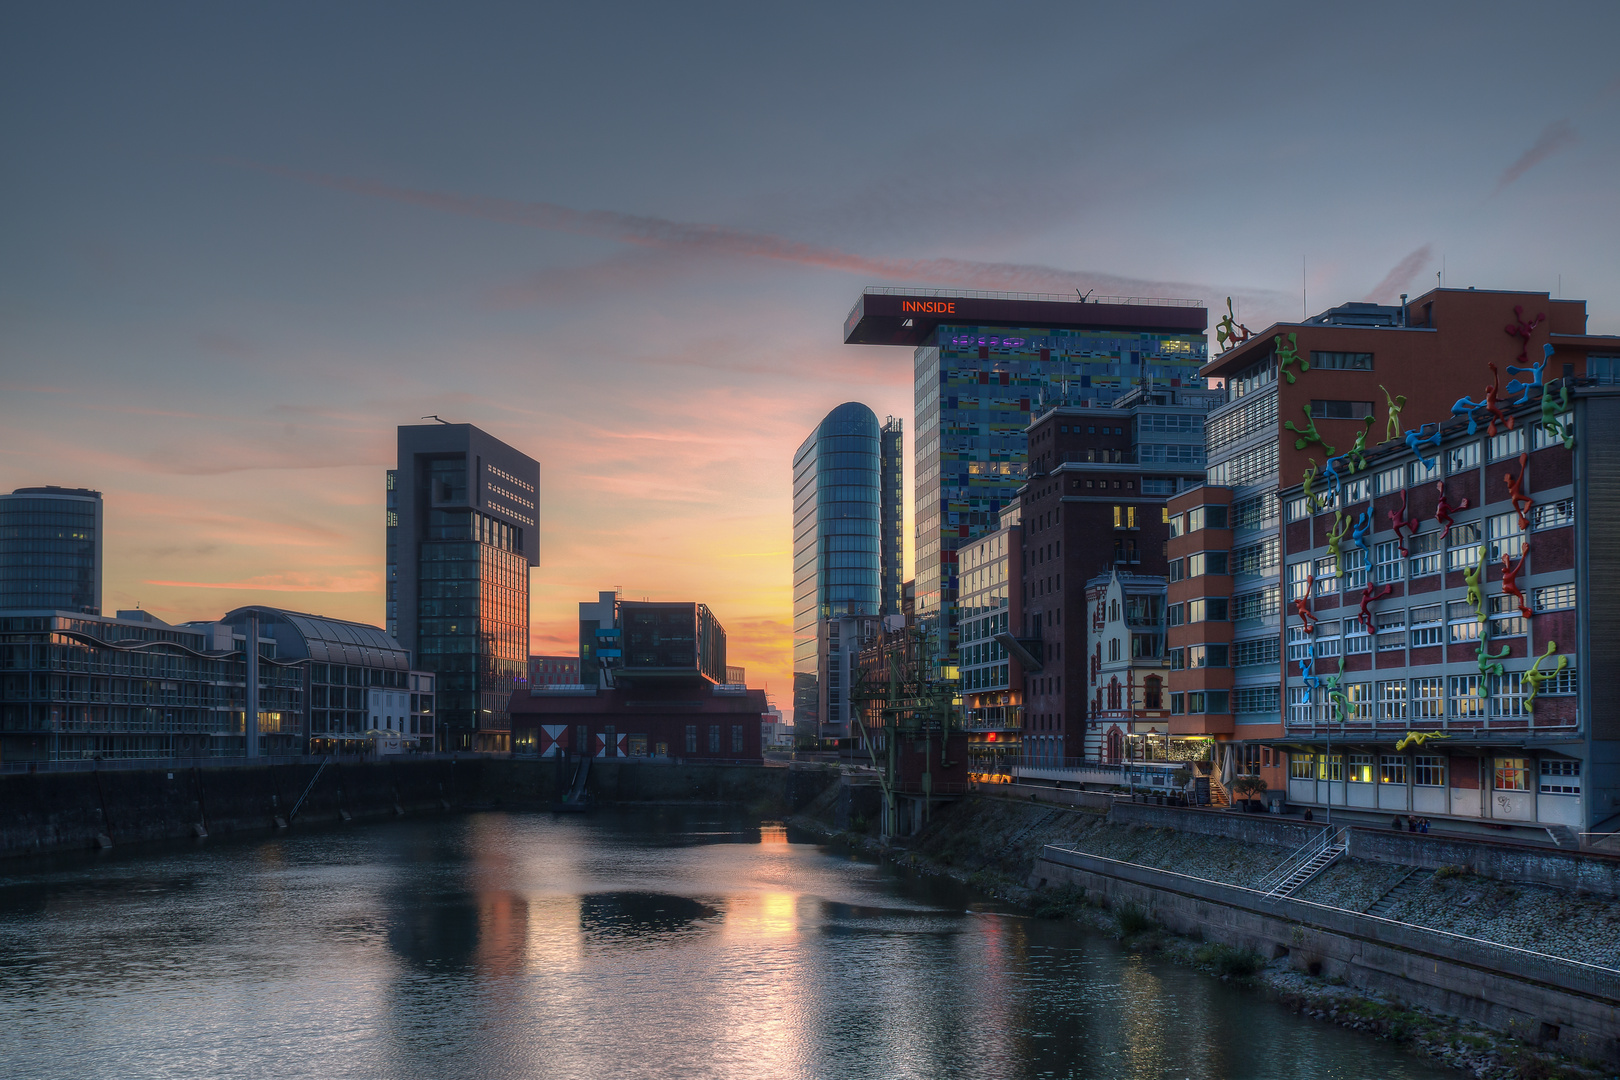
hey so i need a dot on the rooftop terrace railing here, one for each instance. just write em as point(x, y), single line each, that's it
point(1062, 298)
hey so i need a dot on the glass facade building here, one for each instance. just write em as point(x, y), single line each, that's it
point(847, 519)
point(50, 549)
point(462, 535)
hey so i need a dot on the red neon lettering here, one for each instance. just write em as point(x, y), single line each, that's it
point(928, 307)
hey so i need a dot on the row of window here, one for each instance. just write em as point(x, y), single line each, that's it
point(1425, 698)
point(1559, 776)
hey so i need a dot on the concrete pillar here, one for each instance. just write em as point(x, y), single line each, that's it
point(250, 716)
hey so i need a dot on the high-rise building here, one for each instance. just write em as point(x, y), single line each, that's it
point(600, 645)
point(847, 515)
point(462, 535)
point(50, 549)
point(983, 365)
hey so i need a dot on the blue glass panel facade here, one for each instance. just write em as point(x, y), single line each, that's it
point(50, 551)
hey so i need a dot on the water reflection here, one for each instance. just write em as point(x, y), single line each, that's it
point(659, 944)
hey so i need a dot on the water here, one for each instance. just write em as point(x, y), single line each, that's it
point(659, 943)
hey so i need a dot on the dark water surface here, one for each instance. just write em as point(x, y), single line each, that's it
point(660, 943)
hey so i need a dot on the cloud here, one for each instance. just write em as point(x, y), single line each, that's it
point(724, 241)
point(1554, 137)
point(365, 581)
point(1402, 275)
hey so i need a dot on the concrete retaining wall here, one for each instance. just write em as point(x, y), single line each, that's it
point(1574, 1007)
point(1578, 871)
point(1090, 800)
point(1250, 828)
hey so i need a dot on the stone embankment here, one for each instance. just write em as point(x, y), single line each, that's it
point(998, 843)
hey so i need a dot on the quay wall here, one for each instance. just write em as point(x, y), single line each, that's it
point(49, 811)
point(1549, 1001)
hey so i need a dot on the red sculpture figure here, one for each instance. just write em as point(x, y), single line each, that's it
point(1442, 511)
point(1521, 502)
point(1510, 575)
point(1302, 606)
point(1492, 407)
point(1401, 521)
point(1367, 597)
point(1522, 330)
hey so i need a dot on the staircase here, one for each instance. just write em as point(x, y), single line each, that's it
point(1409, 883)
point(1039, 823)
point(1304, 864)
point(1218, 795)
point(1563, 836)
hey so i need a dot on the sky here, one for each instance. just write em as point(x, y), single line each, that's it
point(240, 244)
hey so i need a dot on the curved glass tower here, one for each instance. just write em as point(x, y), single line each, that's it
point(841, 504)
point(50, 549)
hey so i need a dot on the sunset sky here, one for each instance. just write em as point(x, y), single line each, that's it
point(240, 243)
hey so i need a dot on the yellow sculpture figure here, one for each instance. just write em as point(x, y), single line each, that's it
point(1535, 676)
point(1418, 738)
point(1392, 427)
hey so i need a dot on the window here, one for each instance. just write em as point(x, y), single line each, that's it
point(1387, 562)
point(1358, 703)
point(1425, 549)
point(1206, 562)
point(691, 738)
point(1341, 410)
point(1130, 517)
point(736, 738)
point(1429, 770)
point(1511, 774)
point(1302, 708)
point(1257, 606)
point(1177, 568)
point(1427, 702)
point(1417, 472)
point(1462, 624)
point(1255, 699)
point(1388, 480)
point(1560, 685)
point(1257, 560)
point(1357, 490)
point(1173, 615)
point(1174, 521)
point(1507, 695)
point(1502, 530)
point(714, 738)
point(1391, 629)
point(1506, 444)
point(1298, 508)
point(1206, 517)
point(1208, 701)
point(1330, 768)
point(1361, 768)
point(1354, 564)
point(1178, 704)
point(1465, 698)
point(1603, 370)
point(1119, 517)
point(1301, 766)
point(1560, 776)
point(1178, 659)
point(1392, 700)
point(1249, 467)
point(1552, 515)
point(1209, 609)
point(1342, 361)
point(1264, 650)
point(1462, 458)
point(1212, 655)
point(1506, 621)
point(1553, 597)
point(1299, 643)
point(1356, 638)
point(1257, 511)
point(1462, 549)
point(1392, 769)
point(1298, 579)
point(1240, 422)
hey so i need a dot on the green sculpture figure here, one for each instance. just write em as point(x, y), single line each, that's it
point(1475, 579)
point(1356, 456)
point(1311, 502)
point(1550, 408)
point(1392, 426)
point(1535, 676)
point(1226, 330)
point(1489, 662)
point(1335, 692)
point(1335, 541)
point(1288, 355)
point(1307, 434)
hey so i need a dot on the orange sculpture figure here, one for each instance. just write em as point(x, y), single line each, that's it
point(1226, 330)
point(1510, 580)
point(1521, 502)
point(1442, 511)
point(1367, 597)
point(1302, 605)
point(1491, 393)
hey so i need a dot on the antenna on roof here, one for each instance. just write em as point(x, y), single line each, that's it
point(437, 417)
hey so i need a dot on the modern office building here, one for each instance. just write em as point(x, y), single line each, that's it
point(599, 640)
point(992, 663)
point(50, 549)
point(1306, 402)
point(984, 364)
point(553, 670)
point(463, 532)
point(1099, 480)
point(847, 520)
point(81, 686)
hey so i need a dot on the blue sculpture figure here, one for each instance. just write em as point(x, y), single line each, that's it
point(1364, 526)
point(1415, 439)
point(1307, 666)
point(1468, 405)
point(1537, 370)
point(1332, 474)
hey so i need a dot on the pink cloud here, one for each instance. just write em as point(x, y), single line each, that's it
point(287, 582)
point(1401, 275)
point(1554, 137)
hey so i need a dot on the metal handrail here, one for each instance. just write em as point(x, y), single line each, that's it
point(981, 294)
point(1301, 858)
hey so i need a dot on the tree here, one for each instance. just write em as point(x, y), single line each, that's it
point(1248, 787)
